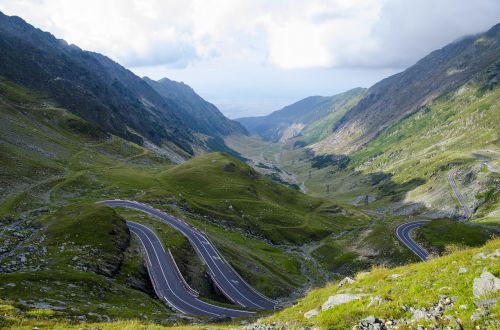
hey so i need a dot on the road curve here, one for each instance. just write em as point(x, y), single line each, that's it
point(461, 200)
point(234, 287)
point(490, 167)
point(168, 282)
point(403, 232)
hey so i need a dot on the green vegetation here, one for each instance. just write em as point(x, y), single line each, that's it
point(412, 158)
point(334, 257)
point(321, 128)
point(417, 285)
point(70, 266)
point(438, 234)
point(55, 166)
point(221, 187)
point(70, 229)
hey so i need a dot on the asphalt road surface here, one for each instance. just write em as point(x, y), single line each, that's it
point(168, 282)
point(461, 200)
point(225, 277)
point(403, 232)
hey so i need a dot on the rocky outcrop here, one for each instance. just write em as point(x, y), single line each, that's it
point(486, 284)
point(346, 280)
point(340, 299)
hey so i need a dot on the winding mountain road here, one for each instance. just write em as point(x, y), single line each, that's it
point(403, 233)
point(168, 282)
point(461, 200)
point(234, 287)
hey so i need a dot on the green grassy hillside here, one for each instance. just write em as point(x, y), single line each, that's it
point(312, 117)
point(417, 285)
point(442, 286)
point(404, 169)
point(55, 165)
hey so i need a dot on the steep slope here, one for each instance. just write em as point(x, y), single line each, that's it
point(400, 295)
point(200, 115)
point(291, 120)
point(107, 94)
point(399, 95)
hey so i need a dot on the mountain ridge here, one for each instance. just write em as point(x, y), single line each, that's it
point(440, 71)
point(100, 90)
point(273, 127)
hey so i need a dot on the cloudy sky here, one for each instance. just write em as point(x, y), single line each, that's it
point(250, 57)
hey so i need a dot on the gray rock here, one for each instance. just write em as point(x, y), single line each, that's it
point(340, 299)
point(462, 270)
point(346, 280)
point(394, 276)
point(475, 317)
point(419, 314)
point(486, 303)
point(311, 313)
point(371, 323)
point(375, 301)
point(487, 283)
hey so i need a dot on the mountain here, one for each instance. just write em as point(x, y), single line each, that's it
point(288, 122)
point(202, 116)
point(107, 94)
point(394, 150)
point(395, 97)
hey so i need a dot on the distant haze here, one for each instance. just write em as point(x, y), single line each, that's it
point(252, 57)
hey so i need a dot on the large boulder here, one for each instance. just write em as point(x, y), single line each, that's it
point(346, 280)
point(487, 283)
point(339, 299)
point(311, 313)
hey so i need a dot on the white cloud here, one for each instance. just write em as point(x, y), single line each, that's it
point(288, 34)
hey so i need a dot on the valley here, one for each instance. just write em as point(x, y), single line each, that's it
point(133, 203)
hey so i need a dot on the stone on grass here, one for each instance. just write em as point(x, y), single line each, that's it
point(375, 301)
point(340, 299)
point(311, 313)
point(346, 280)
point(486, 303)
point(394, 276)
point(462, 270)
point(419, 314)
point(487, 283)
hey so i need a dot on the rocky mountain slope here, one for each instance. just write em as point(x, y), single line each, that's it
point(440, 115)
point(290, 121)
point(402, 94)
point(105, 93)
point(198, 114)
point(405, 168)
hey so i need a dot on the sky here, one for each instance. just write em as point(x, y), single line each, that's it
point(251, 57)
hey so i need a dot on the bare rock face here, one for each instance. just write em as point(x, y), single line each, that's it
point(487, 283)
point(340, 299)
